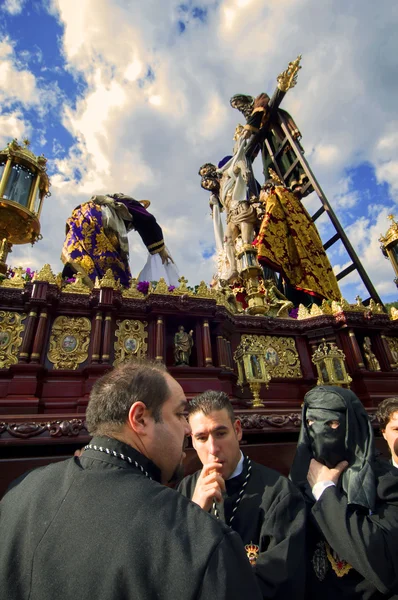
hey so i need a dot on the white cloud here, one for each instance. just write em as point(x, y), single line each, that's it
point(156, 107)
point(13, 7)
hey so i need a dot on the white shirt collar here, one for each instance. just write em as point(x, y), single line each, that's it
point(239, 467)
point(394, 463)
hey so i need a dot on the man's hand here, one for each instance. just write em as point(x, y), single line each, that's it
point(210, 485)
point(165, 256)
point(318, 472)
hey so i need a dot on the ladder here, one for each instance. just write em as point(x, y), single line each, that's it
point(275, 154)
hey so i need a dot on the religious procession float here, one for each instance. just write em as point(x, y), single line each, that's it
point(271, 325)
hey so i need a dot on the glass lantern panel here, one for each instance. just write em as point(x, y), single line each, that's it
point(36, 202)
point(19, 183)
point(2, 167)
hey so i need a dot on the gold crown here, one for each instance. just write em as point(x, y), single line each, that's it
point(252, 548)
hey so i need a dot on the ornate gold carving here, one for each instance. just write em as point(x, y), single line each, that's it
point(376, 308)
point(225, 297)
point(131, 341)
point(45, 274)
point(370, 358)
point(252, 367)
point(161, 287)
point(393, 345)
point(326, 308)
point(109, 281)
point(77, 287)
point(132, 291)
point(394, 313)
point(288, 78)
point(303, 312)
point(11, 328)
point(69, 342)
point(15, 282)
point(330, 364)
point(392, 233)
point(182, 288)
point(203, 291)
point(316, 311)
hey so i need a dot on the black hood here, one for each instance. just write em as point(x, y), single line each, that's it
point(358, 480)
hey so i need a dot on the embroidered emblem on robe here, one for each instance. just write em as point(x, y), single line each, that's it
point(320, 562)
point(340, 566)
point(252, 551)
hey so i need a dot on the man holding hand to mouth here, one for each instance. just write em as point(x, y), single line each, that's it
point(258, 503)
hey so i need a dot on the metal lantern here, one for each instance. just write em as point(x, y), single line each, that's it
point(252, 366)
point(330, 364)
point(389, 245)
point(24, 184)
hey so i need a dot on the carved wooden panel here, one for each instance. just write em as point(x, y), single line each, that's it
point(11, 328)
point(69, 342)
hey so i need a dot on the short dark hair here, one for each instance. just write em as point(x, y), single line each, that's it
point(210, 401)
point(113, 395)
point(385, 410)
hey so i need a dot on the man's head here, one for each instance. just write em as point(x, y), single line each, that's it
point(215, 431)
point(140, 404)
point(387, 414)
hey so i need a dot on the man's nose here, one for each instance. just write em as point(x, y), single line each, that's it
point(213, 446)
point(187, 429)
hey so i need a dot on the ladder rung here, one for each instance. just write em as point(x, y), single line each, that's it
point(291, 169)
point(332, 241)
point(318, 214)
point(346, 271)
point(305, 188)
point(281, 146)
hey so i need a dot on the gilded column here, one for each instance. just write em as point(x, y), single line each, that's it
point(356, 350)
point(38, 343)
point(106, 347)
point(97, 330)
point(27, 338)
point(207, 344)
point(159, 354)
point(220, 352)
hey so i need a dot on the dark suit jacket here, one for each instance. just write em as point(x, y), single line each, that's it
point(96, 528)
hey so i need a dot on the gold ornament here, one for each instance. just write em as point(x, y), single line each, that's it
point(109, 281)
point(161, 287)
point(330, 363)
point(11, 328)
point(132, 292)
point(288, 78)
point(77, 287)
point(69, 342)
point(45, 274)
point(393, 345)
point(182, 288)
point(131, 336)
point(15, 282)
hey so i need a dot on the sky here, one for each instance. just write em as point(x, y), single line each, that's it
point(133, 96)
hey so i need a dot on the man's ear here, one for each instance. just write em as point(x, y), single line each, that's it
point(138, 418)
point(383, 432)
point(238, 429)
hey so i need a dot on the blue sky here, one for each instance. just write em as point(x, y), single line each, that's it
point(122, 95)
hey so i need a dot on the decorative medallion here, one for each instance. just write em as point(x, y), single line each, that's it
point(252, 551)
point(281, 356)
point(130, 340)
point(340, 566)
point(69, 342)
point(11, 328)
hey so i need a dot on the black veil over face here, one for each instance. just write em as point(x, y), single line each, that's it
point(351, 441)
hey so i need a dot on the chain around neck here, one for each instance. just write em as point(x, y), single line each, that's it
point(118, 455)
point(240, 496)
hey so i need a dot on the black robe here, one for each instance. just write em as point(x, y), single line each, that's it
point(270, 515)
point(96, 528)
point(367, 542)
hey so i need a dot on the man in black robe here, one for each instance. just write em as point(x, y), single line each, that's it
point(352, 500)
point(102, 527)
point(259, 503)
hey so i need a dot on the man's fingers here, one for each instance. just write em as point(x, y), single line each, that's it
point(341, 466)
